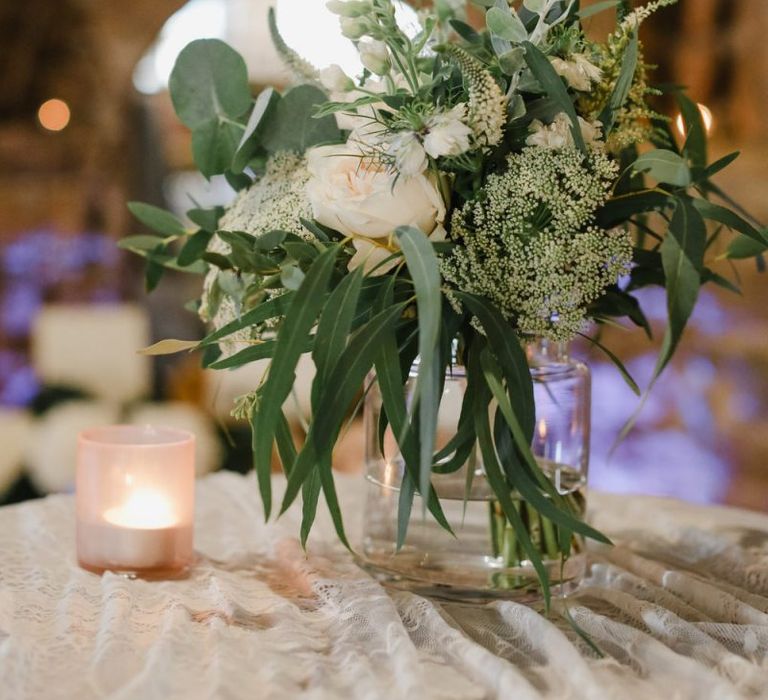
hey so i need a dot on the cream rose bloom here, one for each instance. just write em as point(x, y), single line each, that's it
point(363, 200)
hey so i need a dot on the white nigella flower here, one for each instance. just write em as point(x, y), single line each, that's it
point(447, 134)
point(374, 55)
point(410, 158)
point(334, 79)
point(579, 71)
point(558, 135)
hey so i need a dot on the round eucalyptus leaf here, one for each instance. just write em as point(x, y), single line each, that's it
point(292, 126)
point(209, 80)
point(214, 144)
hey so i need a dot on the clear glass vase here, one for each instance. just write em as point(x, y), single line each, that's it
point(484, 560)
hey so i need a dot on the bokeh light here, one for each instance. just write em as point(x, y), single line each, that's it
point(54, 114)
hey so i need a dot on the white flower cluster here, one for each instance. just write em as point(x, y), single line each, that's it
point(578, 71)
point(278, 201)
point(529, 243)
point(558, 134)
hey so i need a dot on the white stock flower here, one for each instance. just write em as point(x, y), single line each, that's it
point(374, 55)
point(448, 135)
point(334, 79)
point(410, 158)
point(349, 8)
point(579, 72)
point(360, 198)
point(558, 135)
point(353, 28)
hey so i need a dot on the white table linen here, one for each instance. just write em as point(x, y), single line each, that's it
point(679, 607)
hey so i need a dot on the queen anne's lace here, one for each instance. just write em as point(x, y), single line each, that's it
point(529, 243)
point(278, 201)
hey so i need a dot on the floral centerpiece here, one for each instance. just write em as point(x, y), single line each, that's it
point(473, 187)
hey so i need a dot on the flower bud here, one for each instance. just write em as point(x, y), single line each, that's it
point(353, 27)
point(349, 8)
point(375, 56)
point(334, 79)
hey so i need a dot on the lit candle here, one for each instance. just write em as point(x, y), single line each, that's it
point(135, 491)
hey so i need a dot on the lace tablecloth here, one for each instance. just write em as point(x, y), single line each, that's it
point(679, 609)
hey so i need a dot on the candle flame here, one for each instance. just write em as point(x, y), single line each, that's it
point(144, 510)
point(542, 429)
point(707, 119)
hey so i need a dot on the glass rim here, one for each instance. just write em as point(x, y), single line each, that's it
point(129, 436)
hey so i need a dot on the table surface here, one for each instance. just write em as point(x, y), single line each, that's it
point(679, 607)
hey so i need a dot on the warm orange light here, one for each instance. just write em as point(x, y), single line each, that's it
point(706, 117)
point(54, 114)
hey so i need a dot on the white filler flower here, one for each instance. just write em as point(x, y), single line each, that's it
point(579, 72)
point(558, 134)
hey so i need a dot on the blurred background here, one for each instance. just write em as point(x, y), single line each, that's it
point(86, 124)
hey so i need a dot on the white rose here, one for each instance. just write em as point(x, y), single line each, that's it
point(579, 72)
point(371, 253)
point(334, 79)
point(410, 158)
point(374, 55)
point(447, 135)
point(357, 197)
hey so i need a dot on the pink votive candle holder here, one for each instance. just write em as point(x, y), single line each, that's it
point(135, 500)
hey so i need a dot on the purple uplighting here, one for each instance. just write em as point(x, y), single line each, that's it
point(674, 448)
point(38, 266)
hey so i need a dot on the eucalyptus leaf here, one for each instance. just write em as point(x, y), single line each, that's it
point(139, 244)
point(506, 25)
point(591, 10)
point(209, 81)
point(206, 219)
point(664, 166)
point(682, 255)
point(271, 308)
point(743, 247)
point(194, 248)
point(294, 127)
point(169, 347)
point(299, 319)
point(337, 395)
point(424, 269)
point(250, 141)
point(157, 219)
point(214, 144)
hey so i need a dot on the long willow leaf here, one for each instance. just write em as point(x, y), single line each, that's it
point(519, 479)
point(553, 85)
point(510, 355)
point(623, 84)
point(495, 477)
point(337, 395)
point(389, 376)
point(424, 269)
point(682, 255)
point(299, 319)
point(266, 310)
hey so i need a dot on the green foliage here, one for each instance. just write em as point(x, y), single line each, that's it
point(209, 82)
point(294, 127)
point(287, 278)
